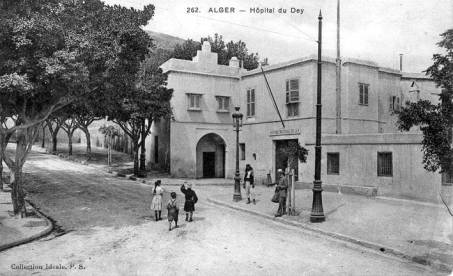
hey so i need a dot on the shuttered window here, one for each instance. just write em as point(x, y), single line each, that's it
point(333, 163)
point(250, 102)
point(363, 93)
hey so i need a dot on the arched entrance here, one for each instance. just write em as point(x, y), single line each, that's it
point(211, 156)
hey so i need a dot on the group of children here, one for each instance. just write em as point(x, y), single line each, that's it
point(172, 205)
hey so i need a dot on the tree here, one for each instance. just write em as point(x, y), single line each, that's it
point(294, 152)
point(110, 132)
point(225, 52)
point(52, 53)
point(435, 120)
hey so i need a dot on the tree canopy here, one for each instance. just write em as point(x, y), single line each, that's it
point(435, 120)
point(225, 51)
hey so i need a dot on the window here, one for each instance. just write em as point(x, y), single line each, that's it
point(447, 178)
point(292, 97)
point(395, 104)
point(333, 163)
point(242, 151)
point(223, 104)
point(250, 102)
point(292, 91)
point(384, 164)
point(363, 94)
point(194, 101)
point(293, 109)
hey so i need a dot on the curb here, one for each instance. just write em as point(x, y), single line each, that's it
point(38, 235)
point(442, 267)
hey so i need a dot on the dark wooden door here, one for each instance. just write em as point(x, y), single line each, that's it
point(208, 164)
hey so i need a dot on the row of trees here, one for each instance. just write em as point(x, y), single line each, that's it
point(72, 62)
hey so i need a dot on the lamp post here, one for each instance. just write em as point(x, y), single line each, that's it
point(317, 213)
point(237, 123)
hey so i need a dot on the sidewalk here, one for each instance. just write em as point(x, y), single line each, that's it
point(419, 232)
point(15, 231)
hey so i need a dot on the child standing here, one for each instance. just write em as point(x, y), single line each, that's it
point(173, 211)
point(191, 199)
point(156, 204)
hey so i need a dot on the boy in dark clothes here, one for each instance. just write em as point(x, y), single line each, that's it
point(173, 211)
point(191, 199)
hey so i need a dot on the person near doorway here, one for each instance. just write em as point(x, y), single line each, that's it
point(156, 203)
point(173, 211)
point(191, 199)
point(249, 184)
point(282, 190)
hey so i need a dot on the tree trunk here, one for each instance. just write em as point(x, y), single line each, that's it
point(88, 137)
point(70, 143)
point(43, 144)
point(54, 141)
point(143, 149)
point(135, 156)
point(17, 193)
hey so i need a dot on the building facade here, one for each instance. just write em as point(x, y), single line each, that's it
point(366, 152)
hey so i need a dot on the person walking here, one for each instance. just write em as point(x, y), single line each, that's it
point(191, 199)
point(156, 204)
point(282, 190)
point(173, 211)
point(249, 184)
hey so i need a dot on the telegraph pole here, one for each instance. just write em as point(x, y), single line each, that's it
point(338, 74)
point(317, 212)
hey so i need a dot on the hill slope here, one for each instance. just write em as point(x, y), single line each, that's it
point(164, 41)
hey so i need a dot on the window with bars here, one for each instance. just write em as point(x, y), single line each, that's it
point(447, 178)
point(292, 91)
point(223, 104)
point(242, 151)
point(333, 163)
point(384, 164)
point(363, 93)
point(251, 102)
point(194, 101)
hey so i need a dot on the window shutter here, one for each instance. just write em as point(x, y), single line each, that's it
point(365, 96)
point(360, 93)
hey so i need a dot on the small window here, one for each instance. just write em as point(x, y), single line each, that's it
point(333, 163)
point(223, 104)
point(384, 164)
point(242, 151)
point(395, 104)
point(363, 93)
point(447, 178)
point(194, 101)
point(292, 91)
point(293, 109)
point(250, 102)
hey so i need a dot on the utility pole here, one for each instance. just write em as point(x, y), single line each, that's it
point(338, 74)
point(317, 212)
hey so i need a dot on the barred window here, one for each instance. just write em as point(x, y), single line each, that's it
point(363, 93)
point(333, 163)
point(384, 164)
point(447, 178)
point(250, 102)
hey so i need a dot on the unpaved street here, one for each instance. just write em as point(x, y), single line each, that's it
point(119, 238)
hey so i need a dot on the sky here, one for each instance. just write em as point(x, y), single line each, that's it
point(376, 30)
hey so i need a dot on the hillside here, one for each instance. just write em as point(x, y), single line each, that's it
point(164, 41)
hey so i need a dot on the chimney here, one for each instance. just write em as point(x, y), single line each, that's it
point(401, 62)
point(234, 62)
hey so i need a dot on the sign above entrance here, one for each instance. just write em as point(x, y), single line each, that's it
point(291, 131)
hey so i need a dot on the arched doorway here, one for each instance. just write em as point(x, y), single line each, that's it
point(211, 156)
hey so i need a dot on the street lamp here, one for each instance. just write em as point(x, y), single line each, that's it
point(237, 123)
point(317, 212)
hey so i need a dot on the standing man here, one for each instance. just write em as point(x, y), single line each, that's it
point(282, 190)
point(249, 183)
